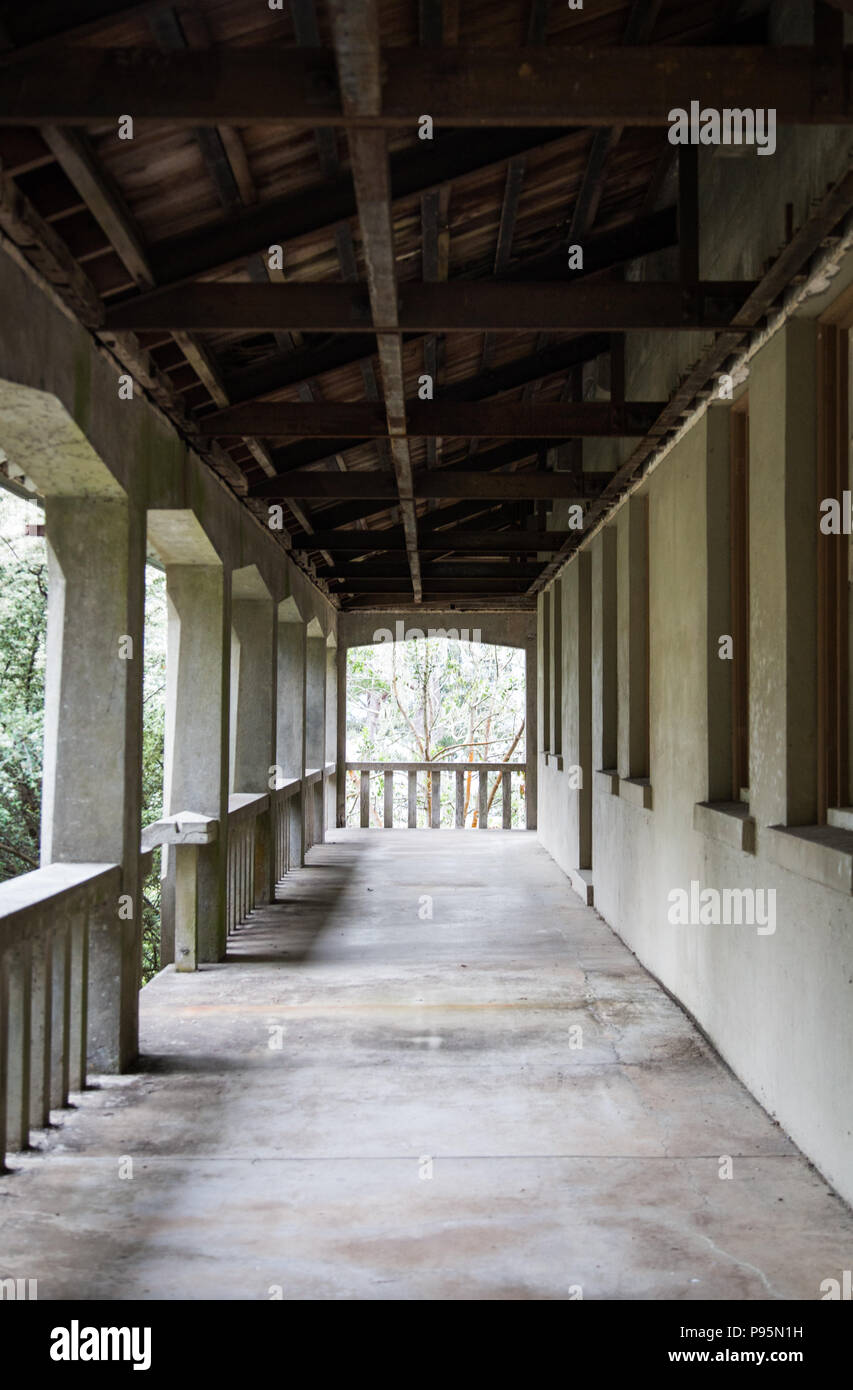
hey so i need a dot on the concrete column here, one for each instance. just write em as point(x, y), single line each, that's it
point(542, 684)
point(315, 701)
point(633, 638)
point(290, 714)
point(330, 754)
point(556, 647)
point(253, 732)
point(253, 633)
point(315, 721)
point(530, 731)
point(197, 728)
point(341, 744)
point(783, 529)
point(92, 784)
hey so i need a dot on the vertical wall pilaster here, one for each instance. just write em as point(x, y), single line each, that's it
point(578, 700)
point(604, 650)
point(633, 638)
point(532, 734)
point(718, 602)
point(783, 528)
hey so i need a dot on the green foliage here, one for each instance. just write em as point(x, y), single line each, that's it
point(23, 603)
point(153, 734)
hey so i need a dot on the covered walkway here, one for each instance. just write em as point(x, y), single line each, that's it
point(494, 1101)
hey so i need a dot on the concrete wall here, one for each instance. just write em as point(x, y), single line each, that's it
point(777, 1006)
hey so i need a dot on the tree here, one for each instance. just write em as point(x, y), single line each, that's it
point(435, 700)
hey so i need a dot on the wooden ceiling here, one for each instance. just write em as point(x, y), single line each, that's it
point(402, 258)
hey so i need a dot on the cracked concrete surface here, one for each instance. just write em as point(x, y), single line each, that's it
point(429, 1127)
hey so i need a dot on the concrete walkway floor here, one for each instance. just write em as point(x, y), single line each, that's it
point(381, 1096)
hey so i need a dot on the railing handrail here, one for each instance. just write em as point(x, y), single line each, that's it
point(244, 806)
point(28, 903)
point(436, 767)
point(290, 786)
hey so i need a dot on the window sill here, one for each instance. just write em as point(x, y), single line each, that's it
point(726, 821)
point(637, 791)
point(822, 853)
point(554, 760)
point(607, 781)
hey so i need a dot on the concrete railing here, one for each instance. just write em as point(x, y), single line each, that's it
point(266, 836)
point(248, 867)
point(58, 928)
point(285, 808)
point(434, 771)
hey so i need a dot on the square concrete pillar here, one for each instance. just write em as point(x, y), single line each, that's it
point(92, 785)
point(341, 744)
point(290, 716)
point(253, 667)
point(331, 750)
point(783, 530)
point(315, 702)
point(197, 726)
point(315, 717)
point(253, 680)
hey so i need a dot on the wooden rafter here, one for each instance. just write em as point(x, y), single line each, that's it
point(356, 37)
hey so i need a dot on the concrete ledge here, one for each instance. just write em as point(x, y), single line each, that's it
point(607, 781)
point(726, 821)
point(33, 903)
point(818, 852)
point(554, 760)
point(637, 791)
point(184, 828)
point(841, 817)
point(581, 881)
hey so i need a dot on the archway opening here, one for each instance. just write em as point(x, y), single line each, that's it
point(449, 714)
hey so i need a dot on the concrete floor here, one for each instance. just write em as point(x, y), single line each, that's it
point(426, 1130)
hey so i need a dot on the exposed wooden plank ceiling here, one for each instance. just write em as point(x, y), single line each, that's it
point(301, 379)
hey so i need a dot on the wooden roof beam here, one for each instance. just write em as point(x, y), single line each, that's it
point(442, 482)
point(355, 25)
point(434, 419)
point(564, 86)
point(509, 542)
point(460, 306)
